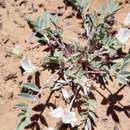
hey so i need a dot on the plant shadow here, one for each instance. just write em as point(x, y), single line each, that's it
point(114, 104)
point(39, 117)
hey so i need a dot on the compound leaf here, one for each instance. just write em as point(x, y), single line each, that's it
point(27, 96)
point(31, 86)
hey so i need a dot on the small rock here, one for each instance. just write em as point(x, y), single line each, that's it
point(126, 22)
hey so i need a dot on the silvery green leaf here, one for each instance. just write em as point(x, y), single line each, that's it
point(102, 11)
point(74, 56)
point(57, 113)
point(123, 35)
point(38, 23)
point(92, 102)
point(61, 81)
point(59, 32)
point(29, 20)
point(46, 20)
point(88, 123)
point(54, 19)
point(86, 90)
point(43, 40)
point(42, 22)
point(86, 127)
point(58, 54)
point(27, 96)
point(94, 19)
point(92, 115)
point(56, 86)
point(23, 123)
point(31, 86)
point(110, 44)
point(115, 66)
point(22, 115)
point(112, 7)
point(127, 58)
point(126, 21)
point(76, 45)
point(124, 73)
point(22, 106)
point(56, 58)
point(83, 5)
point(125, 66)
point(122, 79)
point(76, 72)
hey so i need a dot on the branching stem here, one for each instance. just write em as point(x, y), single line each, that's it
point(73, 99)
point(61, 45)
point(47, 83)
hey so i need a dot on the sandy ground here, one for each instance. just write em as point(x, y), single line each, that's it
point(14, 29)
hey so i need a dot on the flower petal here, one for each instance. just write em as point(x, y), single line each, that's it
point(50, 128)
point(69, 118)
point(27, 65)
point(123, 35)
point(57, 113)
point(126, 21)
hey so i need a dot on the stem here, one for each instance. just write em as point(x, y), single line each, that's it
point(72, 101)
point(61, 46)
point(96, 72)
point(47, 82)
point(64, 47)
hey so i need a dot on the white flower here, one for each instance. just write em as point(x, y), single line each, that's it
point(57, 113)
point(27, 65)
point(69, 118)
point(126, 21)
point(123, 35)
point(65, 94)
point(17, 51)
point(50, 128)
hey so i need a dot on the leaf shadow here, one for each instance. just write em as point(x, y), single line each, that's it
point(37, 79)
point(37, 117)
point(114, 105)
point(34, 125)
point(21, 70)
